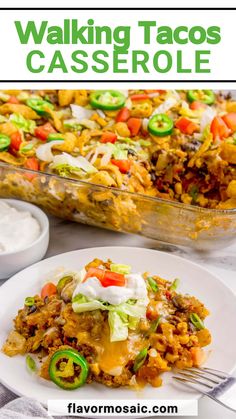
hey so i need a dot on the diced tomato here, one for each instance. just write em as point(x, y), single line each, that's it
point(198, 356)
point(186, 126)
point(48, 290)
point(161, 91)
point(195, 105)
point(97, 272)
point(108, 137)
point(32, 163)
point(230, 120)
point(155, 91)
point(107, 278)
point(123, 115)
point(113, 278)
point(15, 141)
point(42, 132)
point(13, 99)
point(168, 295)
point(141, 96)
point(219, 128)
point(134, 125)
point(152, 310)
point(123, 165)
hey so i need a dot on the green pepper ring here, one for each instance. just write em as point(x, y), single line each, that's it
point(5, 141)
point(39, 105)
point(96, 103)
point(65, 280)
point(77, 359)
point(192, 96)
point(155, 127)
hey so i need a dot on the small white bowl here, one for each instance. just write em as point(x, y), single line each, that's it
point(12, 262)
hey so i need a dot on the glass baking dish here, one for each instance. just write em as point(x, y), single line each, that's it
point(101, 206)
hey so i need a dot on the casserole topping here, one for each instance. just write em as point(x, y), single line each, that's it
point(160, 143)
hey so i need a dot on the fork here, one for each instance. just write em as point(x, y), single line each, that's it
point(213, 383)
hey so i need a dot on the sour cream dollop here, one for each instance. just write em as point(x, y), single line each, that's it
point(18, 229)
point(135, 289)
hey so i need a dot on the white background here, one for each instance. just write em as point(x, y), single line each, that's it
point(222, 58)
point(226, 57)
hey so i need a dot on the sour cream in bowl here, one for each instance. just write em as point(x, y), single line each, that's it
point(24, 236)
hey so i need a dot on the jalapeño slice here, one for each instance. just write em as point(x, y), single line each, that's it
point(39, 105)
point(68, 369)
point(160, 125)
point(204, 96)
point(109, 100)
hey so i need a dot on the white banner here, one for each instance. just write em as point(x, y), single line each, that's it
point(69, 45)
point(127, 408)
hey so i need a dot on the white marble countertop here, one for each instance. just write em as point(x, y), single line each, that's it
point(66, 236)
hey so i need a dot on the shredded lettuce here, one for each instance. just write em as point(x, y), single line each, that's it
point(118, 326)
point(81, 304)
point(27, 147)
point(72, 124)
point(206, 132)
point(82, 116)
point(126, 140)
point(80, 112)
point(120, 323)
point(121, 317)
point(141, 142)
point(189, 113)
point(119, 153)
point(144, 143)
point(87, 123)
point(120, 269)
point(169, 103)
point(27, 125)
point(207, 116)
point(66, 170)
point(65, 164)
point(133, 322)
point(134, 310)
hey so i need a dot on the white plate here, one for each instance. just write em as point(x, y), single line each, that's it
point(194, 280)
